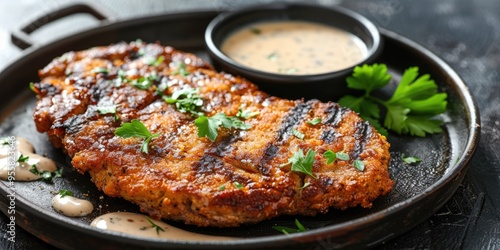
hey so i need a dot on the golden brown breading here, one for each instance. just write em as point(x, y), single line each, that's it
point(185, 177)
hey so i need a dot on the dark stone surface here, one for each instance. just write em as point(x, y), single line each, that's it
point(464, 33)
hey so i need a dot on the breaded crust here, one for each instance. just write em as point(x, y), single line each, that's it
point(185, 177)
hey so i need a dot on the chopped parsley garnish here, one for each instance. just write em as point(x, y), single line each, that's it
point(238, 185)
point(246, 114)
point(109, 110)
point(314, 121)
point(34, 170)
point(156, 227)
point(411, 108)
point(64, 192)
point(181, 70)
point(23, 158)
point(359, 165)
point(186, 100)
point(330, 156)
point(289, 230)
point(222, 187)
point(122, 77)
point(297, 134)
point(301, 163)
point(144, 82)
point(135, 128)
point(410, 159)
point(208, 126)
point(151, 61)
point(46, 176)
point(101, 70)
point(343, 156)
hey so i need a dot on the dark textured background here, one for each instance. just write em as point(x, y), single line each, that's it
point(465, 33)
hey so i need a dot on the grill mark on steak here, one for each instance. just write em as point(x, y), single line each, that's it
point(295, 117)
point(335, 114)
point(362, 134)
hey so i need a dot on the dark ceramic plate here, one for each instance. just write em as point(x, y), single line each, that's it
point(420, 190)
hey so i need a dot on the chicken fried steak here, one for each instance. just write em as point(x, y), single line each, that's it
point(241, 177)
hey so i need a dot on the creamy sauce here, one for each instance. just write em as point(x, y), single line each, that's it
point(20, 171)
point(138, 224)
point(71, 206)
point(294, 47)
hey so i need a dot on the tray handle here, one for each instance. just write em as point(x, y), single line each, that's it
point(21, 38)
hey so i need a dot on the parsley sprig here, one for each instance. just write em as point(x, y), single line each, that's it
point(411, 108)
point(46, 176)
point(331, 156)
point(302, 163)
point(186, 100)
point(208, 126)
point(135, 128)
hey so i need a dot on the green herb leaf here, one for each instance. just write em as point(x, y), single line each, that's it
point(122, 78)
point(151, 61)
point(330, 156)
point(34, 170)
point(314, 121)
point(238, 185)
point(359, 165)
point(153, 225)
point(46, 176)
point(369, 77)
point(208, 126)
point(109, 110)
point(289, 230)
point(58, 173)
point(23, 158)
point(411, 108)
point(181, 70)
point(222, 187)
point(297, 134)
point(343, 156)
point(186, 100)
point(101, 70)
point(246, 114)
point(64, 192)
point(301, 163)
point(410, 159)
point(135, 128)
point(144, 82)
